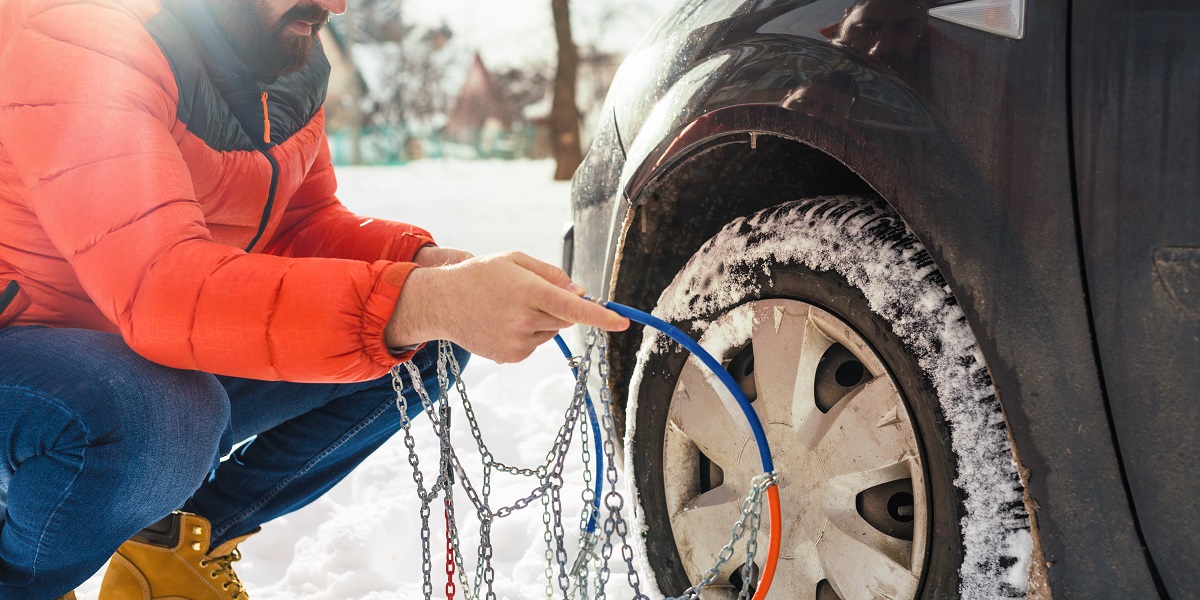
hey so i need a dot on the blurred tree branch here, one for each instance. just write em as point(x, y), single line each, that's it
point(405, 68)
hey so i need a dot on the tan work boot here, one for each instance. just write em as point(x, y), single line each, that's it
point(171, 559)
point(69, 596)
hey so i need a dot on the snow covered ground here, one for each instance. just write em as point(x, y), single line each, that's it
point(361, 541)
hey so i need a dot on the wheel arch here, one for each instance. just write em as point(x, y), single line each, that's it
point(686, 202)
point(687, 198)
point(738, 160)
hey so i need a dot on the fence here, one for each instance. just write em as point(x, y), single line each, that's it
point(397, 145)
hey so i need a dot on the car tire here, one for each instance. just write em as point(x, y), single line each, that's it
point(848, 284)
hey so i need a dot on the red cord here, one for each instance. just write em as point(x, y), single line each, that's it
point(764, 582)
point(449, 559)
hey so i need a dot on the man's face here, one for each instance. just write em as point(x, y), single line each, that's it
point(274, 37)
point(885, 30)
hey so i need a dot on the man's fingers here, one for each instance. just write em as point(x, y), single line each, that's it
point(503, 306)
point(547, 271)
point(567, 306)
point(543, 321)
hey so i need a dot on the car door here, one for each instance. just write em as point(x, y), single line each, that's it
point(1136, 118)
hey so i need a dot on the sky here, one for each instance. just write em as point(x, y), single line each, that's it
point(514, 32)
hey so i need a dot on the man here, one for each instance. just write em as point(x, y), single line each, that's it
point(886, 32)
point(176, 275)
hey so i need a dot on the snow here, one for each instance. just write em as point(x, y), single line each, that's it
point(844, 237)
point(361, 540)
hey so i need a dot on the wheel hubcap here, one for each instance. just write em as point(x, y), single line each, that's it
point(850, 473)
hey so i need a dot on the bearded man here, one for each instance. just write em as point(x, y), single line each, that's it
point(177, 276)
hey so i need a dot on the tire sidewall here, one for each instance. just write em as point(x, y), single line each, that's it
point(830, 292)
point(660, 364)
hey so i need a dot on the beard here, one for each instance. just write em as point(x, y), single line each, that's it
point(267, 48)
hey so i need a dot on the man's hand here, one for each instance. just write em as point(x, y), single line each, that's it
point(500, 307)
point(434, 256)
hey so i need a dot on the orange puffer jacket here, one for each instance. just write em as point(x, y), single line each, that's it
point(149, 187)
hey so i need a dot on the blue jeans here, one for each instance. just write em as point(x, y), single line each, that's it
point(97, 443)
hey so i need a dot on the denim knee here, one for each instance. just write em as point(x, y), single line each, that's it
point(171, 435)
point(154, 432)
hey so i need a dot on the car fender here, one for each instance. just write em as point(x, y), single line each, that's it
point(1022, 293)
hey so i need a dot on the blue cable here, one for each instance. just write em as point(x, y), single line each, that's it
point(673, 332)
point(760, 436)
point(599, 453)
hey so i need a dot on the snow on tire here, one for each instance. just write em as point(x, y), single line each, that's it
point(867, 285)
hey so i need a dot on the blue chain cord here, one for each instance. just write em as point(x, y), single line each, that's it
point(673, 332)
point(599, 452)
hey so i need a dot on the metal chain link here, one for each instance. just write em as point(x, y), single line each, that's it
point(448, 364)
point(426, 553)
point(469, 592)
point(581, 571)
point(444, 466)
point(486, 487)
point(548, 536)
point(613, 499)
point(560, 534)
point(588, 494)
point(751, 548)
point(418, 477)
point(588, 516)
point(556, 460)
point(590, 571)
point(751, 512)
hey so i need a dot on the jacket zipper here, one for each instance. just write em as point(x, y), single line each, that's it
point(7, 296)
point(266, 216)
point(263, 147)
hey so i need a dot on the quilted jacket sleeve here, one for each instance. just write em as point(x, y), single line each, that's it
point(87, 115)
point(317, 224)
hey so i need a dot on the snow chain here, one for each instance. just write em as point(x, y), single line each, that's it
point(587, 576)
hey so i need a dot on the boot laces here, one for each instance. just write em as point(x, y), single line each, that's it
point(225, 567)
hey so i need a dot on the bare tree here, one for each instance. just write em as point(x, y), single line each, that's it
point(598, 61)
point(564, 113)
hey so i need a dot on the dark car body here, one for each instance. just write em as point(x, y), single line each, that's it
point(1055, 180)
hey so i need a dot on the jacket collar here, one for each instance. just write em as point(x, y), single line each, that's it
point(219, 56)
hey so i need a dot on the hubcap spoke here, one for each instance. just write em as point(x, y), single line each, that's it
point(865, 431)
point(787, 348)
point(698, 411)
point(702, 529)
point(847, 485)
point(799, 569)
point(862, 563)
